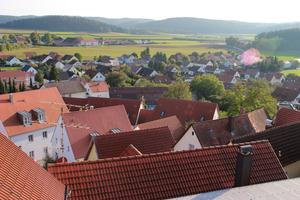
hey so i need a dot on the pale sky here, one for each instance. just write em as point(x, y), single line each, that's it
point(247, 11)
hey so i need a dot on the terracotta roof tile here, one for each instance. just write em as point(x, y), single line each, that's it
point(28, 55)
point(283, 94)
point(132, 106)
point(284, 140)
point(100, 120)
point(159, 79)
point(291, 85)
point(165, 175)
point(145, 116)
point(184, 110)
point(91, 73)
point(22, 178)
point(27, 101)
point(67, 87)
point(130, 151)
point(286, 116)
point(100, 86)
point(172, 122)
point(251, 72)
point(153, 140)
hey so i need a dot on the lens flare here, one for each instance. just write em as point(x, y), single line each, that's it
point(250, 57)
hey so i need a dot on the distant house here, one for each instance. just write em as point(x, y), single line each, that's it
point(291, 85)
point(66, 76)
point(158, 79)
point(284, 95)
point(135, 69)
point(103, 69)
point(146, 72)
point(212, 69)
point(97, 89)
point(12, 61)
point(232, 72)
point(91, 42)
point(268, 77)
point(95, 75)
point(69, 88)
point(127, 58)
point(28, 68)
point(144, 41)
point(171, 69)
point(227, 78)
point(57, 63)
point(203, 63)
point(169, 74)
point(19, 77)
point(70, 42)
point(68, 58)
point(186, 64)
point(287, 64)
point(28, 55)
point(252, 73)
point(44, 58)
point(140, 62)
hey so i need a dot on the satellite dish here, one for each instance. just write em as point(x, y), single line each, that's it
point(60, 160)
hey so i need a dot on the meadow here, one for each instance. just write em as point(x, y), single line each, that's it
point(296, 71)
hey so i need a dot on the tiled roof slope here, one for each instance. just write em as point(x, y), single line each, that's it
point(145, 116)
point(147, 141)
point(219, 132)
point(27, 101)
point(283, 94)
point(68, 87)
point(130, 151)
point(183, 109)
point(100, 120)
point(165, 175)
point(132, 107)
point(291, 85)
point(23, 178)
point(100, 86)
point(284, 139)
point(286, 116)
point(172, 122)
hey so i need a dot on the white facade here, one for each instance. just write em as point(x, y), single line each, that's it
point(288, 64)
point(255, 77)
point(89, 92)
point(28, 79)
point(91, 42)
point(13, 61)
point(74, 95)
point(39, 145)
point(153, 73)
point(188, 141)
point(128, 60)
point(59, 65)
point(46, 59)
point(31, 69)
point(98, 77)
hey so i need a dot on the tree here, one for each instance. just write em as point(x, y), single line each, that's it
point(179, 91)
point(231, 40)
point(48, 159)
point(14, 87)
point(135, 55)
point(2, 87)
point(95, 58)
point(295, 64)
point(53, 73)
point(146, 53)
point(5, 37)
point(2, 47)
point(39, 77)
point(252, 95)
point(186, 59)
point(12, 36)
point(151, 64)
point(47, 39)
point(126, 69)
point(9, 86)
point(23, 86)
point(195, 54)
point(115, 79)
point(207, 86)
point(78, 56)
point(35, 38)
point(142, 83)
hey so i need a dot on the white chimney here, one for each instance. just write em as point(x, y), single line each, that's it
point(11, 98)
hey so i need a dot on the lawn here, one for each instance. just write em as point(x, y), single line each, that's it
point(11, 68)
point(297, 72)
point(88, 53)
point(283, 55)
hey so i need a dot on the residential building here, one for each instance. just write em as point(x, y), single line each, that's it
point(81, 126)
point(69, 88)
point(29, 118)
point(28, 68)
point(68, 58)
point(285, 116)
point(97, 89)
point(19, 77)
point(44, 58)
point(212, 70)
point(103, 69)
point(284, 95)
point(146, 72)
point(92, 42)
point(12, 60)
point(171, 69)
point(227, 78)
point(69, 42)
point(28, 55)
point(135, 69)
point(252, 73)
point(95, 75)
point(127, 58)
point(158, 79)
point(203, 63)
point(291, 85)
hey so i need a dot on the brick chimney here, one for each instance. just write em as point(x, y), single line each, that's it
point(243, 165)
point(242, 111)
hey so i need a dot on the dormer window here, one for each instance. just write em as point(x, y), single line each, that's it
point(186, 120)
point(202, 118)
point(25, 118)
point(40, 115)
point(162, 113)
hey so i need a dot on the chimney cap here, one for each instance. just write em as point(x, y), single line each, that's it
point(246, 149)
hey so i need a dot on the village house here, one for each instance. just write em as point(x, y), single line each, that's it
point(19, 77)
point(232, 72)
point(44, 58)
point(171, 174)
point(12, 60)
point(97, 89)
point(252, 73)
point(158, 79)
point(28, 68)
point(186, 64)
point(139, 62)
point(170, 68)
point(144, 41)
point(135, 69)
point(95, 75)
point(203, 63)
point(103, 69)
point(127, 58)
point(69, 42)
point(66, 76)
point(28, 55)
point(68, 58)
point(226, 78)
point(284, 95)
point(146, 72)
point(92, 42)
point(29, 118)
point(81, 126)
point(291, 85)
point(57, 63)
point(68, 88)
point(23, 178)
point(212, 70)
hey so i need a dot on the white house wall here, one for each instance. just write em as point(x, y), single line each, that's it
point(2, 129)
point(98, 77)
point(216, 115)
point(187, 139)
point(37, 145)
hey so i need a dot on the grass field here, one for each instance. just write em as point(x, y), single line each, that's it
point(283, 55)
point(11, 68)
point(297, 72)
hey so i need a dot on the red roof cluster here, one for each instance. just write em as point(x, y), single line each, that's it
point(22, 178)
point(28, 55)
point(100, 86)
point(286, 116)
point(165, 175)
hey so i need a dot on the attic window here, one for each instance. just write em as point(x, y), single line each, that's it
point(94, 134)
point(186, 120)
point(162, 113)
point(116, 130)
point(128, 114)
point(202, 118)
point(25, 118)
point(40, 115)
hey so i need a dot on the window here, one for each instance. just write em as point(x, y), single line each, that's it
point(40, 114)
point(191, 146)
point(56, 155)
point(31, 154)
point(45, 150)
point(162, 113)
point(128, 114)
point(186, 120)
point(202, 118)
point(45, 135)
point(69, 95)
point(193, 133)
point(30, 138)
point(68, 148)
point(20, 147)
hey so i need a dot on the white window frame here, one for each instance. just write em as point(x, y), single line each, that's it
point(45, 134)
point(31, 154)
point(30, 138)
point(191, 146)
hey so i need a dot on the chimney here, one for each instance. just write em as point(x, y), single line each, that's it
point(243, 165)
point(242, 111)
point(11, 98)
point(231, 124)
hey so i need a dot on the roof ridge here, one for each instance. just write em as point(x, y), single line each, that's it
point(160, 153)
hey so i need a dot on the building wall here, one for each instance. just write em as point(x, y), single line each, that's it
point(293, 170)
point(216, 115)
point(93, 154)
point(79, 95)
point(2, 129)
point(99, 94)
point(99, 77)
point(37, 145)
point(187, 138)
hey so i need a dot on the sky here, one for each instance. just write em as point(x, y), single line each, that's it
point(264, 11)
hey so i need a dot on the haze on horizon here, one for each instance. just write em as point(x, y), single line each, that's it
point(245, 11)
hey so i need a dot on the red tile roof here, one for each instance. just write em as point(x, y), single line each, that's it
point(172, 122)
point(286, 116)
point(145, 116)
point(251, 72)
point(226, 78)
point(130, 151)
point(29, 54)
point(23, 178)
point(147, 141)
point(26, 101)
point(291, 85)
point(184, 110)
point(165, 175)
point(100, 86)
point(100, 120)
point(284, 139)
point(283, 94)
point(158, 79)
point(132, 106)
point(13, 73)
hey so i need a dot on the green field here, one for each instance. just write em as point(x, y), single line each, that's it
point(283, 55)
point(11, 68)
point(297, 72)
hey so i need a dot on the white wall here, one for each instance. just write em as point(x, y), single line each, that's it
point(187, 138)
point(78, 95)
point(2, 129)
point(216, 115)
point(37, 145)
point(99, 77)
point(99, 94)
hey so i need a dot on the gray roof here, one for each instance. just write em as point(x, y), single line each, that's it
point(69, 87)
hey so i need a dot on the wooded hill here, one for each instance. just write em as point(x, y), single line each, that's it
point(63, 23)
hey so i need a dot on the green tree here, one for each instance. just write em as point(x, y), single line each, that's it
point(179, 91)
point(48, 159)
point(142, 83)
point(12, 36)
point(231, 40)
point(135, 55)
point(95, 58)
point(2, 87)
point(53, 73)
point(14, 87)
point(115, 79)
point(126, 69)
point(207, 86)
point(5, 37)
point(78, 56)
point(47, 39)
point(151, 64)
point(35, 38)
point(23, 86)
point(39, 77)
point(2, 47)
point(10, 88)
point(186, 59)
point(195, 54)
